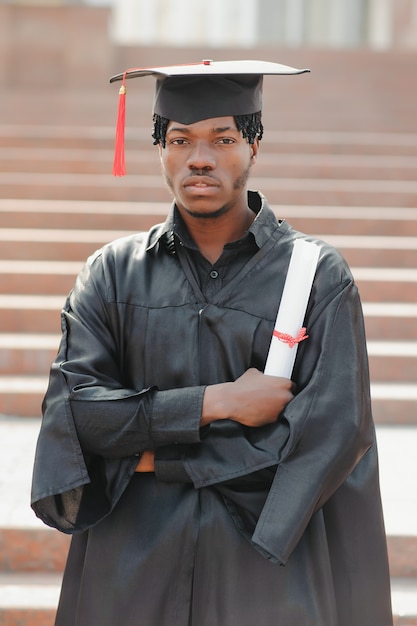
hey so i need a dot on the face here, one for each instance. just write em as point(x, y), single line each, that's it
point(206, 166)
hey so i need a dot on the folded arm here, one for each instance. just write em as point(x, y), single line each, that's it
point(252, 400)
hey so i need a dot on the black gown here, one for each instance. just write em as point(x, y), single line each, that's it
point(280, 525)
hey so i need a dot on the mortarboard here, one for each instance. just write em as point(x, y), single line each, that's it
point(197, 91)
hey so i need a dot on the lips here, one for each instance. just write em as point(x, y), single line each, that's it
point(200, 182)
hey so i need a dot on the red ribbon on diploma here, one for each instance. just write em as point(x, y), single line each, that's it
point(291, 341)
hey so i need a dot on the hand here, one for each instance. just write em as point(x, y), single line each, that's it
point(146, 463)
point(253, 399)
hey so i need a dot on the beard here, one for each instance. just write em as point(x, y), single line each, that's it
point(241, 180)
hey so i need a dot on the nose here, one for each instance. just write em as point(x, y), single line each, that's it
point(201, 156)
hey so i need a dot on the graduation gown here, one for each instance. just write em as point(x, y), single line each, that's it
point(280, 524)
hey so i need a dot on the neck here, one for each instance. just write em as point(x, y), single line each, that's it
point(211, 234)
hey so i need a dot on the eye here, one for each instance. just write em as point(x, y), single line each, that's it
point(225, 140)
point(179, 141)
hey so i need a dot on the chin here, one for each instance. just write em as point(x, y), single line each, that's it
point(205, 212)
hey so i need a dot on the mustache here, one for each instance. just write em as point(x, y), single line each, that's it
point(202, 175)
point(200, 172)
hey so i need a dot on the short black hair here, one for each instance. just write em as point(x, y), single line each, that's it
point(249, 125)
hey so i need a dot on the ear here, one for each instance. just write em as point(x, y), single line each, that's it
point(254, 149)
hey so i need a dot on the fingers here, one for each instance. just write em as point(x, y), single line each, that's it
point(259, 399)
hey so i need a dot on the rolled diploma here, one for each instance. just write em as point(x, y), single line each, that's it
point(292, 308)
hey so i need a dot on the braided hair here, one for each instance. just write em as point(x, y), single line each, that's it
point(249, 125)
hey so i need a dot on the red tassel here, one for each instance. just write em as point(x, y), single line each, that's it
point(119, 165)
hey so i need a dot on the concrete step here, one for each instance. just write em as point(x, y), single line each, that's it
point(330, 192)
point(25, 354)
point(57, 277)
point(374, 98)
point(32, 556)
point(38, 277)
point(73, 245)
point(404, 601)
point(384, 284)
point(391, 321)
point(44, 550)
point(22, 395)
point(31, 600)
point(402, 553)
point(33, 550)
point(51, 244)
point(95, 137)
point(30, 314)
point(393, 361)
point(393, 403)
point(146, 161)
point(82, 215)
point(397, 469)
point(33, 313)
point(38, 549)
point(350, 220)
point(135, 216)
point(30, 354)
point(370, 251)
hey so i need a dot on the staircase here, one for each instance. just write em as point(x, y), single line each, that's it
point(59, 203)
point(364, 201)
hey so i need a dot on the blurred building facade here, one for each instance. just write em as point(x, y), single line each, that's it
point(375, 24)
point(247, 23)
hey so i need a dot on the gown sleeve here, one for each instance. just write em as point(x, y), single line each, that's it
point(94, 426)
point(332, 433)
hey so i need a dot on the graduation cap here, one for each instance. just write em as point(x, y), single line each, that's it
point(198, 91)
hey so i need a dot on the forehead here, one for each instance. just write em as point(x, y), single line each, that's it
point(212, 125)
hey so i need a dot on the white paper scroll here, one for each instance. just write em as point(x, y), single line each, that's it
point(290, 317)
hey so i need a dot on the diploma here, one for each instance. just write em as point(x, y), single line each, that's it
point(288, 330)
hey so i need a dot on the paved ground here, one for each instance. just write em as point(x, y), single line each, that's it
point(398, 469)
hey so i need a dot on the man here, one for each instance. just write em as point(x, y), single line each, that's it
point(200, 491)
